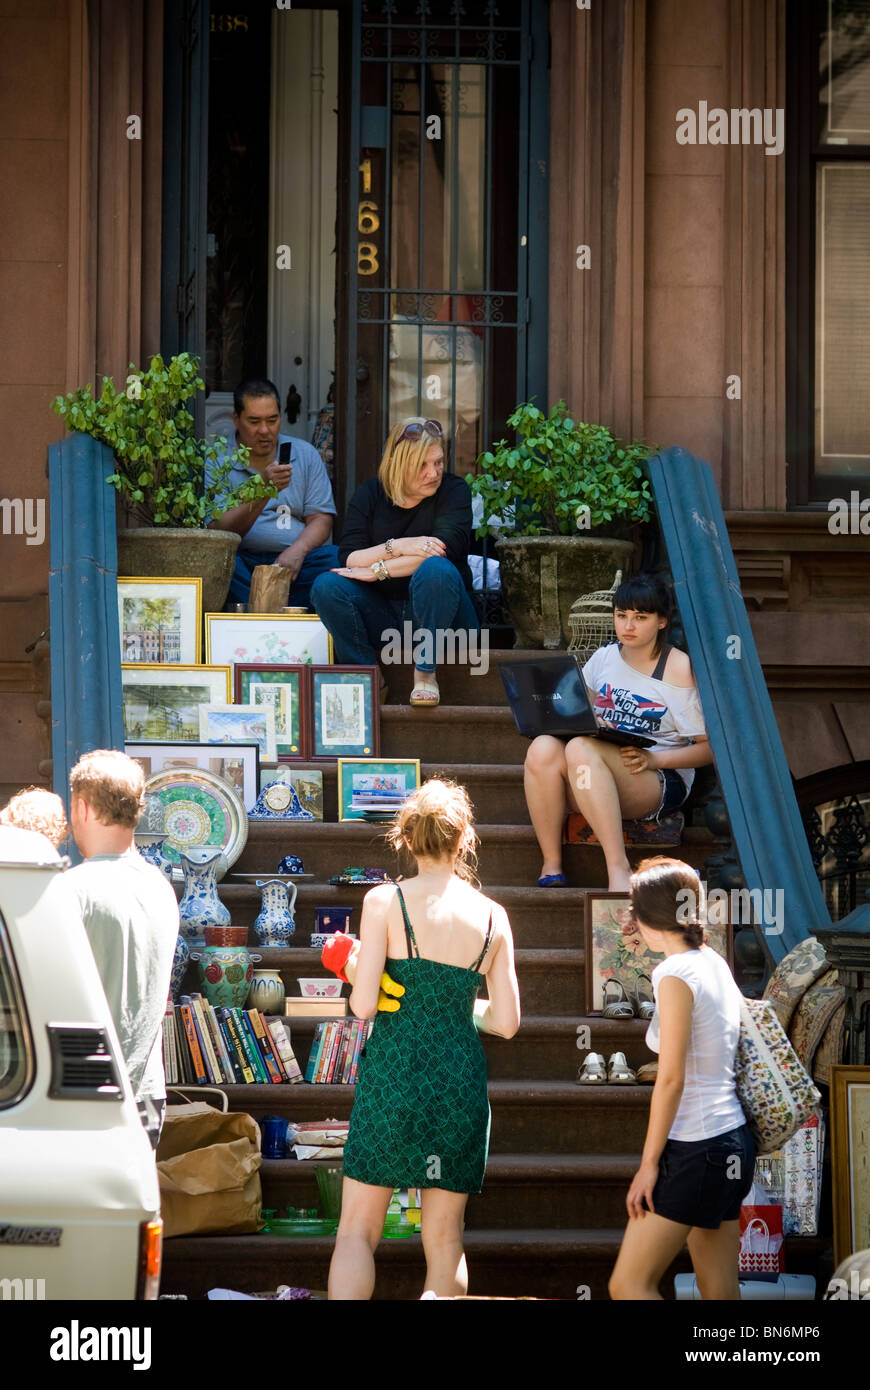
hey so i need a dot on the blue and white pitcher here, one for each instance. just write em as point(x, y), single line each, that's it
point(276, 924)
point(201, 907)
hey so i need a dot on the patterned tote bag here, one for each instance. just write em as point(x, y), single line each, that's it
point(775, 1091)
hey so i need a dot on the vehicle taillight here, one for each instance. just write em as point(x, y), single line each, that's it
point(150, 1249)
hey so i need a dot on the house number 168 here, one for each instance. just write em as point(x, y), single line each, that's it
point(368, 222)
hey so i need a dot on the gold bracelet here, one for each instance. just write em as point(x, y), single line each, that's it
point(380, 570)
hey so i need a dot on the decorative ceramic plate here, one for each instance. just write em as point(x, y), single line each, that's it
point(199, 808)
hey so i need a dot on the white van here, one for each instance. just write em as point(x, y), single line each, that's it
point(79, 1196)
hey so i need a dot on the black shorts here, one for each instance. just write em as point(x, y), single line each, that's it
point(703, 1182)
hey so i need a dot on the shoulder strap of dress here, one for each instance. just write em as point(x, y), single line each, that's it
point(413, 951)
point(662, 662)
point(477, 964)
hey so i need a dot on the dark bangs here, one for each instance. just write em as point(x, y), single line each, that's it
point(647, 593)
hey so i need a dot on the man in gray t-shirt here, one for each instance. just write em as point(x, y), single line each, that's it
point(291, 529)
point(130, 915)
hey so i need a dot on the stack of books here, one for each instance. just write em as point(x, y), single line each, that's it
point(335, 1051)
point(203, 1045)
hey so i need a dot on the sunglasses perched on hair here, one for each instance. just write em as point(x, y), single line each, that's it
point(416, 429)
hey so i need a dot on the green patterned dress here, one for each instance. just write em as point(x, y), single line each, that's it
point(420, 1114)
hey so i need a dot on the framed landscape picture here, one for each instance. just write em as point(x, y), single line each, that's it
point(274, 639)
point(850, 1165)
point(161, 703)
point(224, 723)
point(616, 951)
point(345, 714)
point(239, 764)
point(160, 621)
point(374, 788)
point(284, 690)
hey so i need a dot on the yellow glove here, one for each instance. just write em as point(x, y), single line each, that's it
point(387, 1005)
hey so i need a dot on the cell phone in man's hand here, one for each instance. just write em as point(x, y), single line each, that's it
point(284, 452)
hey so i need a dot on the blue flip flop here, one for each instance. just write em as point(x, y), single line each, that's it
point(553, 881)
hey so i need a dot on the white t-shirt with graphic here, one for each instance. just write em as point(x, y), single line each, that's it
point(627, 700)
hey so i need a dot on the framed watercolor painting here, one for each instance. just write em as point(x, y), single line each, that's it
point(616, 951)
point(345, 713)
point(374, 788)
point(238, 765)
point(220, 723)
point(161, 703)
point(160, 621)
point(274, 639)
point(284, 690)
point(850, 1166)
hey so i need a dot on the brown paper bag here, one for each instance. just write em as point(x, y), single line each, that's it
point(270, 589)
point(208, 1165)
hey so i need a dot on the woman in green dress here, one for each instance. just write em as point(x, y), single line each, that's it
point(421, 1115)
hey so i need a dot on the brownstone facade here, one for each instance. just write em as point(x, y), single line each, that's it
point(685, 290)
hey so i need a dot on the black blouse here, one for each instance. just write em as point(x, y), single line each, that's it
point(372, 519)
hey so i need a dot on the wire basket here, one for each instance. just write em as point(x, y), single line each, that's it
point(591, 620)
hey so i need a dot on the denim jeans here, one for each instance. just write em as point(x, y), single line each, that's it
point(358, 616)
point(323, 557)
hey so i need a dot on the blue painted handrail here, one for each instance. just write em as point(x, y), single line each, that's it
point(86, 707)
point(766, 826)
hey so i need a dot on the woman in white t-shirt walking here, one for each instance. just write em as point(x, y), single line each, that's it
point(639, 685)
point(699, 1153)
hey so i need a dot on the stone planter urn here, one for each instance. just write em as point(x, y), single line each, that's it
point(541, 576)
point(181, 552)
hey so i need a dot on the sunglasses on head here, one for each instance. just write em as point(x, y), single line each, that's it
point(416, 429)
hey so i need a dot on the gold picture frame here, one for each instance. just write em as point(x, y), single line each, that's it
point(850, 1159)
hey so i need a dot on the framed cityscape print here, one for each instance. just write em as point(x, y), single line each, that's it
point(850, 1167)
point(160, 621)
point(161, 703)
point(373, 789)
point(283, 690)
point(275, 639)
point(345, 713)
point(238, 764)
point(615, 949)
point(224, 723)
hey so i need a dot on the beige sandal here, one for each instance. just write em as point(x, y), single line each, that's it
point(620, 1006)
point(648, 1073)
point(593, 1071)
point(425, 695)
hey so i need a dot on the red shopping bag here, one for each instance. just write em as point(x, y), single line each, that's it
point(762, 1255)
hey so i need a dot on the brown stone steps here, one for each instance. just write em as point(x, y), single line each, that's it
point(495, 789)
point(544, 1049)
point(524, 1190)
point(549, 980)
point(458, 683)
point(488, 736)
point(527, 1116)
point(509, 854)
point(559, 1263)
point(539, 917)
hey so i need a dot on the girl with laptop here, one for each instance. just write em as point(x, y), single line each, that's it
point(639, 684)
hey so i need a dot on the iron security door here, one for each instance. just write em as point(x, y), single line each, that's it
point(445, 223)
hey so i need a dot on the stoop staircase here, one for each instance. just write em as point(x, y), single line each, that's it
point(550, 1218)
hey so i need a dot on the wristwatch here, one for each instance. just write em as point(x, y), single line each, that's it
point(379, 570)
point(388, 547)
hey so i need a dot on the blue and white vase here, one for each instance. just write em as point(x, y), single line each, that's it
point(200, 906)
point(153, 852)
point(275, 923)
point(179, 966)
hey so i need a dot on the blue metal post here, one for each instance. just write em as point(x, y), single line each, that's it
point(768, 834)
point(86, 706)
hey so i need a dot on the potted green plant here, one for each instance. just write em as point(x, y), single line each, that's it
point(563, 501)
point(160, 473)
